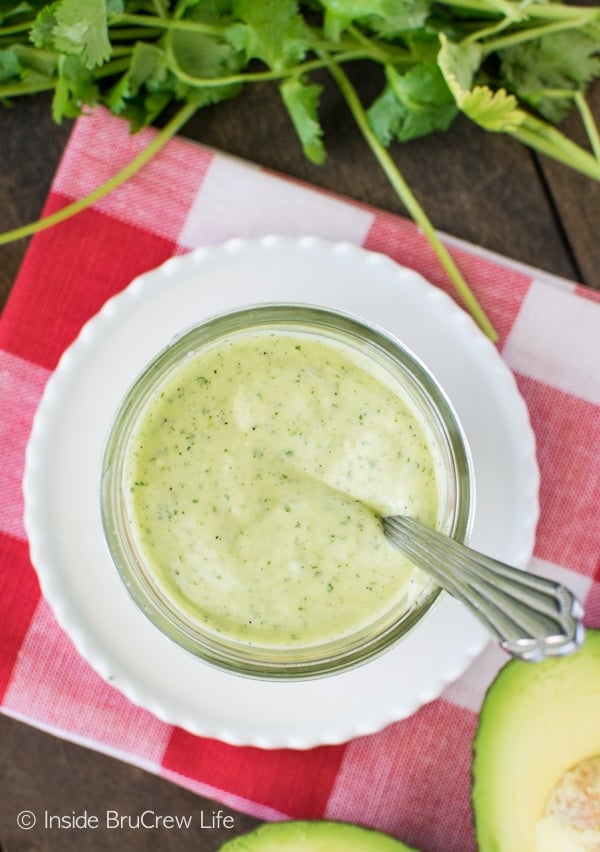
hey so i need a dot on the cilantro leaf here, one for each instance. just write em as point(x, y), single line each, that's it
point(203, 55)
point(302, 100)
point(10, 67)
point(41, 33)
point(194, 57)
point(495, 111)
point(277, 33)
point(81, 29)
point(209, 11)
point(148, 67)
point(412, 104)
point(458, 63)
point(147, 70)
point(75, 88)
point(209, 54)
point(557, 61)
point(387, 18)
point(23, 65)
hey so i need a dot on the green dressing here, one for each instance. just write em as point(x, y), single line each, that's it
point(257, 474)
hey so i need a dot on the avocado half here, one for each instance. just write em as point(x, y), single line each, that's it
point(314, 836)
point(537, 722)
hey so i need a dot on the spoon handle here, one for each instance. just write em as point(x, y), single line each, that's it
point(531, 616)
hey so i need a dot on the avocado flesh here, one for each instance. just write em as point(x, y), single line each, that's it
point(538, 721)
point(554, 836)
point(314, 836)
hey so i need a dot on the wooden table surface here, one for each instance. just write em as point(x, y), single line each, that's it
point(482, 187)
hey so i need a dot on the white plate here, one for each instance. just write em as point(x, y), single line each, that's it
point(61, 488)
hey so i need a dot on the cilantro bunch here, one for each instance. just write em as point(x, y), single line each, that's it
point(511, 66)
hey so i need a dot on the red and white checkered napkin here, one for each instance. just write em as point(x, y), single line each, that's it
point(411, 779)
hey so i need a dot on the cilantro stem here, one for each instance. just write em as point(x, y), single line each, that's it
point(517, 12)
point(15, 90)
point(563, 12)
point(584, 111)
point(528, 34)
point(156, 22)
point(589, 124)
point(410, 202)
point(119, 50)
point(15, 29)
point(375, 50)
point(550, 141)
point(262, 76)
point(498, 7)
point(159, 8)
point(134, 33)
point(480, 35)
point(167, 132)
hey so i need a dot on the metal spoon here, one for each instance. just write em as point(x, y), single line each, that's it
point(532, 617)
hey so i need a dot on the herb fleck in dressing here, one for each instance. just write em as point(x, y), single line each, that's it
point(257, 473)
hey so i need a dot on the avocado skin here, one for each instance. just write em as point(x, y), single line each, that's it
point(537, 721)
point(314, 836)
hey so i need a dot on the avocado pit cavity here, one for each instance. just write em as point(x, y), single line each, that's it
point(572, 817)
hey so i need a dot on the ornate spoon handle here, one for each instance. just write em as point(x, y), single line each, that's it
point(532, 617)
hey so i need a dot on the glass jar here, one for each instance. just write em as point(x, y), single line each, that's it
point(169, 550)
